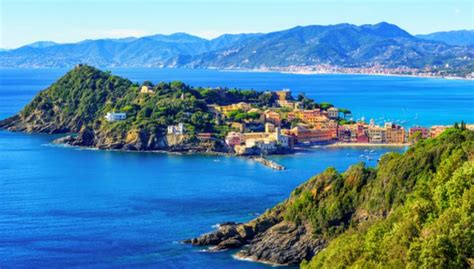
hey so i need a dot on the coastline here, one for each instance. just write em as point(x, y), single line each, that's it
point(272, 71)
point(337, 73)
point(238, 257)
point(261, 160)
point(363, 145)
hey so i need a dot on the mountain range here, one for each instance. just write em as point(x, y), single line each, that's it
point(461, 37)
point(342, 45)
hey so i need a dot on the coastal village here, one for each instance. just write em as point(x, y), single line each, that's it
point(287, 124)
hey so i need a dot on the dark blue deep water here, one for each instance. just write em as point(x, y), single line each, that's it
point(67, 207)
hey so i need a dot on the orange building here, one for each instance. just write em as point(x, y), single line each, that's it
point(302, 134)
point(437, 130)
point(273, 117)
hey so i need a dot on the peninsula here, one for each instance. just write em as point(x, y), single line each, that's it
point(97, 109)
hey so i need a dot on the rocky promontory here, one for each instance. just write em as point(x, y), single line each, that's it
point(268, 239)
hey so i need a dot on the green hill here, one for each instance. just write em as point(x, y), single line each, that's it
point(78, 102)
point(415, 210)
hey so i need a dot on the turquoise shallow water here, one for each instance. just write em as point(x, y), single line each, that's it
point(68, 207)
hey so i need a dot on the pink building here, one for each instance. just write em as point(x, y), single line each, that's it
point(233, 139)
point(425, 132)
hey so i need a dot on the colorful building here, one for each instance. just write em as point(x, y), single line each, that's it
point(238, 106)
point(425, 132)
point(273, 117)
point(437, 130)
point(303, 134)
point(376, 134)
point(395, 134)
point(333, 113)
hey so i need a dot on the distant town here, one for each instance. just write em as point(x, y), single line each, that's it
point(444, 71)
point(286, 125)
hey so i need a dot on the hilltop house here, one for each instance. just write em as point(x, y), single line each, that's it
point(273, 117)
point(176, 129)
point(113, 116)
point(238, 106)
point(146, 89)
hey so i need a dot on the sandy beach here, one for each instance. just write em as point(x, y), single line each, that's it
point(364, 145)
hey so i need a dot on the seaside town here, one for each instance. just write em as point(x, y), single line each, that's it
point(287, 124)
point(444, 71)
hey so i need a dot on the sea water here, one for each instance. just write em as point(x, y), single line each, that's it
point(70, 207)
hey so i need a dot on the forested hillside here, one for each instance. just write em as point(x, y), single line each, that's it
point(414, 210)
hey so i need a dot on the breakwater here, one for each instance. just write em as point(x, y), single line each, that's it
point(268, 163)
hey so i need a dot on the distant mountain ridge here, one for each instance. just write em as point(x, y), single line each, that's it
point(340, 45)
point(460, 37)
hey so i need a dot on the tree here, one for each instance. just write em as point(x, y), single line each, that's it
point(345, 112)
point(148, 83)
point(415, 137)
point(325, 105)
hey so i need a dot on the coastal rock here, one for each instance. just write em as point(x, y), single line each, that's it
point(65, 140)
point(267, 239)
point(284, 244)
point(231, 243)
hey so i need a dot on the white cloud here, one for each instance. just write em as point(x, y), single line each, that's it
point(457, 11)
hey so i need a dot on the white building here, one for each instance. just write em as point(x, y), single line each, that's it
point(333, 113)
point(113, 116)
point(281, 139)
point(176, 129)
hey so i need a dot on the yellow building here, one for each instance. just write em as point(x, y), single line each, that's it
point(395, 134)
point(146, 89)
point(226, 109)
point(283, 95)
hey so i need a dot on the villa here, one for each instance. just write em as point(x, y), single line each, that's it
point(146, 89)
point(176, 129)
point(114, 116)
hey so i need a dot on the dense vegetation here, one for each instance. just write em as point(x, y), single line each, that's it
point(84, 95)
point(415, 210)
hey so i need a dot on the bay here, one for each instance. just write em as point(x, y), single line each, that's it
point(69, 207)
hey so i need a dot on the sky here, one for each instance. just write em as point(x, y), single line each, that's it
point(64, 21)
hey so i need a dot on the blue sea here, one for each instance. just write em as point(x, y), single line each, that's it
point(78, 208)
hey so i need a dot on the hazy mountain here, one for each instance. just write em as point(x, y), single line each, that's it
point(42, 44)
point(343, 45)
point(461, 37)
